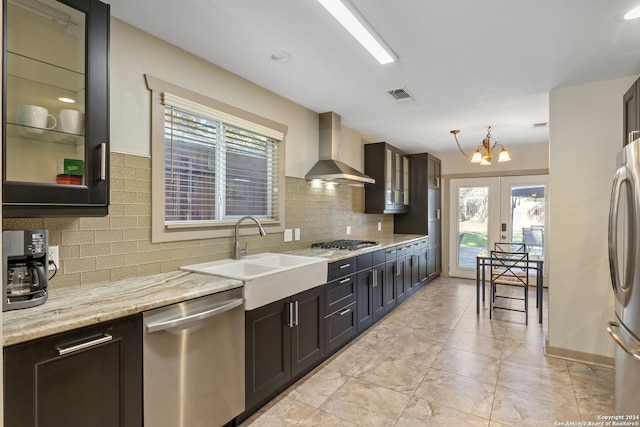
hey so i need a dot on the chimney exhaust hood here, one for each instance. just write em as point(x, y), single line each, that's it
point(328, 168)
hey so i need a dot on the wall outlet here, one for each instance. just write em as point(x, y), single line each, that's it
point(379, 226)
point(296, 234)
point(53, 255)
point(288, 235)
point(348, 230)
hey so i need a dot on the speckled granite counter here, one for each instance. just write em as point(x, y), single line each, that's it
point(77, 306)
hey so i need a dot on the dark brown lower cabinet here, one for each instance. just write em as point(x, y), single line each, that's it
point(283, 339)
point(87, 377)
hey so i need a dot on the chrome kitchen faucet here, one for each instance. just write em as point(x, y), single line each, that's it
point(238, 253)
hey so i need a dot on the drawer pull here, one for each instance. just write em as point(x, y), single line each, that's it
point(345, 280)
point(343, 312)
point(344, 266)
point(62, 350)
point(391, 252)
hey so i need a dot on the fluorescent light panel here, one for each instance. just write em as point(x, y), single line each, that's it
point(354, 22)
point(633, 14)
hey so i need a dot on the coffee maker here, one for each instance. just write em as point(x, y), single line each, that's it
point(24, 263)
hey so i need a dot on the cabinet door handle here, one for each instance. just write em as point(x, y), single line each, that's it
point(343, 312)
point(103, 161)
point(62, 350)
point(296, 305)
point(375, 278)
point(437, 213)
point(397, 268)
point(344, 266)
point(437, 182)
point(344, 280)
point(290, 322)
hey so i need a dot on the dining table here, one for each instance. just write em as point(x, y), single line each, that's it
point(483, 259)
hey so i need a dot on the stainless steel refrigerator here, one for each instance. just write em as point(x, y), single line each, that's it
point(624, 248)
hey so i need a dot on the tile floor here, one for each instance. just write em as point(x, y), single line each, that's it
point(433, 361)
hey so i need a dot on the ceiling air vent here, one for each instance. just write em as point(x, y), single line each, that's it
point(401, 95)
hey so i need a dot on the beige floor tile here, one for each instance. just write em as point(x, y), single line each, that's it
point(287, 412)
point(594, 389)
point(463, 393)
point(411, 348)
point(520, 408)
point(468, 364)
point(321, 419)
point(475, 343)
point(522, 353)
point(319, 387)
point(350, 361)
point(477, 325)
point(366, 404)
point(534, 379)
point(390, 372)
point(423, 413)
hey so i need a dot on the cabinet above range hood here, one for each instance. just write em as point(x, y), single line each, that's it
point(328, 168)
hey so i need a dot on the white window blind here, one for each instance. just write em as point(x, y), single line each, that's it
point(216, 169)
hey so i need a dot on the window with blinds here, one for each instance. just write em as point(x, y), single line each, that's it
point(215, 170)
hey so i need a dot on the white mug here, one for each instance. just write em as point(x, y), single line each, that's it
point(35, 117)
point(71, 121)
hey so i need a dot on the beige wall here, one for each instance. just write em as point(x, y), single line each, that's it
point(585, 137)
point(135, 53)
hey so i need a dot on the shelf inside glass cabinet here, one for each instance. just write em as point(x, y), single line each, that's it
point(40, 72)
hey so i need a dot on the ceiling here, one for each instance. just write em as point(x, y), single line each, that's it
point(469, 64)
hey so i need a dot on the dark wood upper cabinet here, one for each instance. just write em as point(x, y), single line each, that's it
point(55, 131)
point(425, 216)
point(631, 116)
point(390, 168)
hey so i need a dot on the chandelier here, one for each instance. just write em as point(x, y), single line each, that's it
point(484, 153)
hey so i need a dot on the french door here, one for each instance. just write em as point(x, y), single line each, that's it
point(495, 209)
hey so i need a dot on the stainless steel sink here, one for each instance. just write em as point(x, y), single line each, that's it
point(269, 276)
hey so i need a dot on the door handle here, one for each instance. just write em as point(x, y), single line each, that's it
point(296, 307)
point(619, 288)
point(103, 161)
point(62, 350)
point(172, 323)
point(633, 350)
point(290, 322)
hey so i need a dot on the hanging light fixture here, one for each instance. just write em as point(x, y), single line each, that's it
point(483, 154)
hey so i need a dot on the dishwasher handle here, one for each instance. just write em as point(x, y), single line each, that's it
point(172, 323)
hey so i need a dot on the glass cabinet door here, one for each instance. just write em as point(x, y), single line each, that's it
point(388, 176)
point(45, 92)
point(56, 108)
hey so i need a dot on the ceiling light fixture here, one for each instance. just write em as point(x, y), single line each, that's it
point(353, 21)
point(633, 14)
point(483, 154)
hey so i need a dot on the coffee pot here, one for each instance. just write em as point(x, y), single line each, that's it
point(24, 259)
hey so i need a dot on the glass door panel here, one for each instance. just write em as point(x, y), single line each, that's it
point(45, 92)
point(476, 206)
point(524, 211)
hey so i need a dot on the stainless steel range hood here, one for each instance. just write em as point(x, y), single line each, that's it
point(328, 168)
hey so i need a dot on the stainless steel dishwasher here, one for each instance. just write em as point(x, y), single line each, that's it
point(194, 362)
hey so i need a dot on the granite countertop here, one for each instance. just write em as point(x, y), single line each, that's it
point(78, 306)
point(74, 307)
point(337, 255)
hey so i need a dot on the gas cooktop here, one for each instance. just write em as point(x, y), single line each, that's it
point(347, 245)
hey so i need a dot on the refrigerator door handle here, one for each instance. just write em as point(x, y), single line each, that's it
point(619, 289)
point(633, 348)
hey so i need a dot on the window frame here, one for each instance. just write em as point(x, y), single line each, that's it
point(162, 232)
